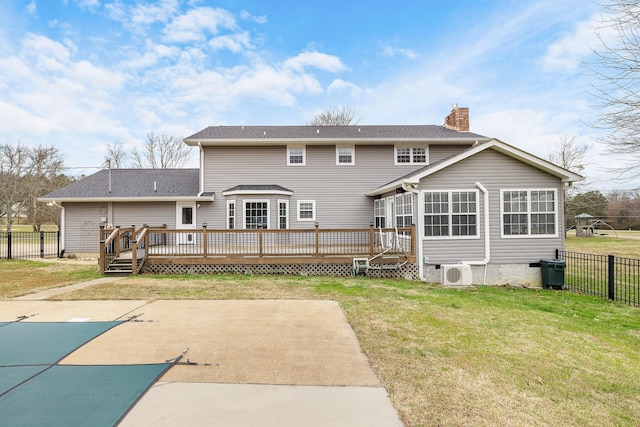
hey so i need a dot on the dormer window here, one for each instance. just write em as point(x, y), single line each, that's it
point(405, 155)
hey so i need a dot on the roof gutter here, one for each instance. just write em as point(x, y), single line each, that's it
point(59, 200)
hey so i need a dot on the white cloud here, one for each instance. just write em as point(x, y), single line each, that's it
point(89, 4)
point(249, 17)
point(339, 86)
point(390, 52)
point(567, 53)
point(32, 8)
point(232, 42)
point(197, 23)
point(317, 60)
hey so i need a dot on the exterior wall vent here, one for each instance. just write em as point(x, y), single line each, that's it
point(457, 275)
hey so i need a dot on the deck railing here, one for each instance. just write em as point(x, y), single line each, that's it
point(159, 242)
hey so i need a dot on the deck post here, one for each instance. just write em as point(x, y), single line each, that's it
point(413, 239)
point(101, 260)
point(260, 239)
point(204, 239)
point(134, 257)
point(372, 236)
point(116, 248)
point(317, 239)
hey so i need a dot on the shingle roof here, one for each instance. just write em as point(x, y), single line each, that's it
point(391, 132)
point(131, 183)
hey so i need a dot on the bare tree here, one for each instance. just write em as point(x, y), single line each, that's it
point(115, 155)
point(162, 152)
point(571, 156)
point(336, 116)
point(617, 88)
point(25, 174)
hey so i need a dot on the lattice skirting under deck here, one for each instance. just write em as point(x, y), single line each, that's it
point(408, 271)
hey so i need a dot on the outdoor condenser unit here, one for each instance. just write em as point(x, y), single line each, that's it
point(457, 275)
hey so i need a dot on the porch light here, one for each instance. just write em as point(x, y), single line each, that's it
point(204, 225)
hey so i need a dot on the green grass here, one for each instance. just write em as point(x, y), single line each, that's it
point(20, 277)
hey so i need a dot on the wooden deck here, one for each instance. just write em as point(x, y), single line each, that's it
point(157, 246)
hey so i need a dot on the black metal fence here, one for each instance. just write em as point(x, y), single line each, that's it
point(23, 245)
point(606, 276)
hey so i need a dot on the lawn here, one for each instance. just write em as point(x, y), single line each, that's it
point(478, 356)
point(25, 277)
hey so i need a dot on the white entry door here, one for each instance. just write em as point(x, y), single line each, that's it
point(185, 220)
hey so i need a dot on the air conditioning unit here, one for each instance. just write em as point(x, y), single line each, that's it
point(457, 275)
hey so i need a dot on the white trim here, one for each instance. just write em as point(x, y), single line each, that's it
point(179, 224)
point(235, 215)
point(304, 155)
point(244, 211)
point(411, 161)
point(528, 213)
point(313, 204)
point(450, 213)
point(509, 150)
point(353, 155)
point(257, 192)
point(286, 202)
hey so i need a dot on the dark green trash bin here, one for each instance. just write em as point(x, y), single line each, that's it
point(552, 273)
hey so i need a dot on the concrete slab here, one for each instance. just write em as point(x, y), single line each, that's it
point(64, 311)
point(257, 342)
point(239, 405)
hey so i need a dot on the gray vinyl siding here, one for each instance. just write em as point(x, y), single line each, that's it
point(82, 221)
point(126, 214)
point(339, 191)
point(496, 172)
point(439, 152)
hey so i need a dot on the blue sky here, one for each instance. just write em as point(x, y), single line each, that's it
point(81, 74)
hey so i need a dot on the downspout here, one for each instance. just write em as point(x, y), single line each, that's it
point(201, 169)
point(487, 234)
point(411, 188)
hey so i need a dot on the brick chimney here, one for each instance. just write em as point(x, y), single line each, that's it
point(458, 119)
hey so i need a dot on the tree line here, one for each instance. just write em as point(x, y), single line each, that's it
point(620, 209)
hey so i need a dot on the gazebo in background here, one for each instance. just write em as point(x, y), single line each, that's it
point(584, 225)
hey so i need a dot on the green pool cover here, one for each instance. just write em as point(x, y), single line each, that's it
point(36, 391)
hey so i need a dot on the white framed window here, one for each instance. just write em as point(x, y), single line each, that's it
point(296, 155)
point(451, 214)
point(379, 220)
point(404, 210)
point(345, 155)
point(283, 214)
point(404, 155)
point(256, 214)
point(231, 214)
point(529, 213)
point(306, 210)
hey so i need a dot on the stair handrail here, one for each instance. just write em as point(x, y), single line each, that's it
point(141, 235)
point(104, 244)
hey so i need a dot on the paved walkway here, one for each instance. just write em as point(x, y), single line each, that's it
point(37, 296)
